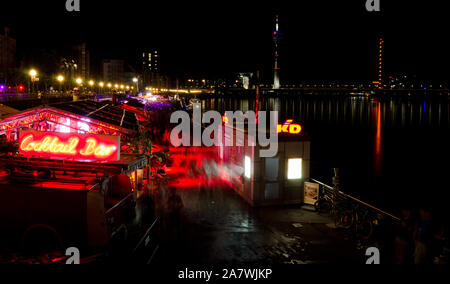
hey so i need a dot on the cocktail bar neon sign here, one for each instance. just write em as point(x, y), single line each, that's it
point(69, 145)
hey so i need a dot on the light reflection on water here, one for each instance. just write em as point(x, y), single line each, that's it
point(356, 111)
point(390, 146)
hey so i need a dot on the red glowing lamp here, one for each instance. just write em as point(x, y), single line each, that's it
point(225, 119)
point(69, 145)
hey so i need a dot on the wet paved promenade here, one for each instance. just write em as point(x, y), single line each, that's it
point(218, 227)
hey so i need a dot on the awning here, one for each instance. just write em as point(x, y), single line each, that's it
point(6, 111)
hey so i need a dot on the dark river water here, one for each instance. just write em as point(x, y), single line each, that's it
point(392, 152)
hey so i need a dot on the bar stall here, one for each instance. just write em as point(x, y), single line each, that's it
point(70, 181)
point(265, 181)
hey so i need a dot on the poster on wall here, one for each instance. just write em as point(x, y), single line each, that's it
point(311, 193)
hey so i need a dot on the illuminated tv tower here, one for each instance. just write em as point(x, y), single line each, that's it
point(276, 41)
point(380, 62)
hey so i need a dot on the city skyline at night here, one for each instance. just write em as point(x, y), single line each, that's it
point(224, 140)
point(336, 41)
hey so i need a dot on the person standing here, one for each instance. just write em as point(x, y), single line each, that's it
point(403, 238)
point(174, 205)
point(423, 236)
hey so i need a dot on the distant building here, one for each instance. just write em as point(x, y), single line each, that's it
point(150, 60)
point(75, 61)
point(245, 80)
point(151, 68)
point(276, 40)
point(113, 70)
point(83, 59)
point(197, 83)
point(7, 54)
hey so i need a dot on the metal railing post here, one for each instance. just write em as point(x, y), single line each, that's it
point(335, 187)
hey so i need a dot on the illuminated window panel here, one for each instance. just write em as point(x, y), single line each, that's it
point(248, 167)
point(65, 128)
point(83, 128)
point(294, 168)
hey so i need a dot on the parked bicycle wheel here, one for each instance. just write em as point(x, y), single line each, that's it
point(364, 229)
point(323, 206)
point(346, 218)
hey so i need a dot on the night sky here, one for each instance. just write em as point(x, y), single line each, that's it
point(322, 40)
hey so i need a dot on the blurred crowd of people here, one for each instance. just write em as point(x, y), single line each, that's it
point(421, 239)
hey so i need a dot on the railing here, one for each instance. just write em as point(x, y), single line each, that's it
point(328, 190)
point(143, 242)
point(148, 245)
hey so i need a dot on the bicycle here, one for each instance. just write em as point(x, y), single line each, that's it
point(360, 219)
point(364, 226)
point(324, 205)
point(339, 209)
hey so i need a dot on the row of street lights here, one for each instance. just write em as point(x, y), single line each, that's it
point(92, 83)
point(79, 81)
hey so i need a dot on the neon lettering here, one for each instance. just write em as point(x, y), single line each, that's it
point(69, 145)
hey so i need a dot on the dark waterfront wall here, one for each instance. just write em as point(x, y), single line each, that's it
point(392, 151)
point(24, 101)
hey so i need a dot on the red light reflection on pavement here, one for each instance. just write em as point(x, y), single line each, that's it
point(195, 167)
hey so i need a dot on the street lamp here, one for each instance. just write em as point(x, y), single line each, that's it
point(136, 80)
point(60, 79)
point(79, 82)
point(101, 84)
point(33, 73)
point(91, 84)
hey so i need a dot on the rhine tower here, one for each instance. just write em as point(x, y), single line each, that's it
point(276, 41)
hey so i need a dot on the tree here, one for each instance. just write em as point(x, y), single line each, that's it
point(141, 144)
